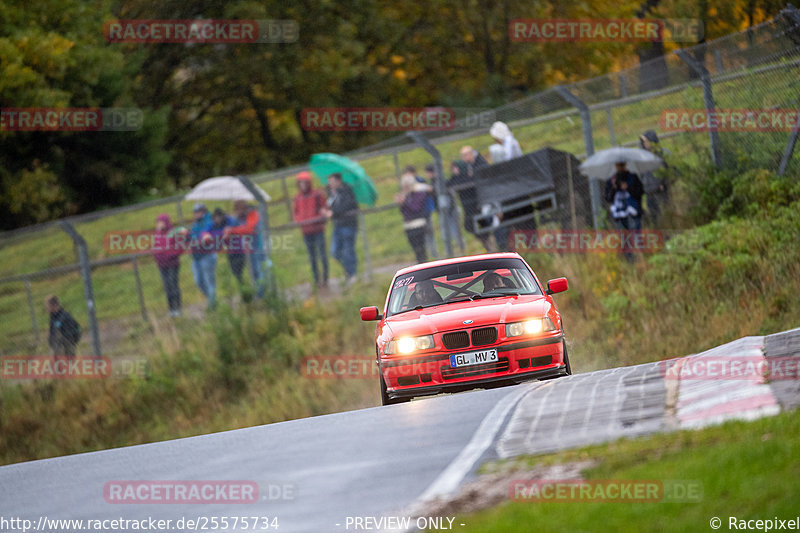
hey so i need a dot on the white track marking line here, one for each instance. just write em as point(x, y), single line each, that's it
point(450, 479)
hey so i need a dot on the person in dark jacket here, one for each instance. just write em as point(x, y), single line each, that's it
point(463, 184)
point(412, 205)
point(65, 332)
point(343, 211)
point(655, 188)
point(309, 208)
point(167, 255)
point(633, 187)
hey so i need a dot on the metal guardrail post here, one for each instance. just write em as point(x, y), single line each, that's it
point(86, 274)
point(269, 273)
point(135, 263)
point(708, 100)
point(445, 209)
point(588, 141)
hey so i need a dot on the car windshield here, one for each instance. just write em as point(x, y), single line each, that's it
point(470, 280)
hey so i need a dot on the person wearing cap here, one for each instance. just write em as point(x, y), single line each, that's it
point(204, 257)
point(510, 148)
point(234, 245)
point(167, 255)
point(249, 227)
point(309, 212)
point(633, 196)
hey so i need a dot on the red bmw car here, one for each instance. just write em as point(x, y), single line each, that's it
point(467, 322)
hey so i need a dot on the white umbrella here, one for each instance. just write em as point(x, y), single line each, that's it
point(602, 164)
point(222, 188)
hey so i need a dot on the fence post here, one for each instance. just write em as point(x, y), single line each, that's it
point(445, 207)
point(708, 99)
point(135, 262)
point(286, 198)
point(623, 85)
point(269, 274)
point(790, 144)
point(588, 141)
point(610, 121)
point(180, 212)
point(86, 273)
point(32, 310)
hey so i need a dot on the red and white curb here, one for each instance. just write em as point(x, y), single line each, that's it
point(712, 399)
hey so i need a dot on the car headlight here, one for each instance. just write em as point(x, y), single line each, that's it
point(530, 327)
point(406, 345)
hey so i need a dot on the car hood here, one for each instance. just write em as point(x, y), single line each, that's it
point(482, 312)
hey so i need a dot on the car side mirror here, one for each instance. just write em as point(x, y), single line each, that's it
point(369, 313)
point(557, 285)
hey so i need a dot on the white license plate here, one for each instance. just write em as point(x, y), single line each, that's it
point(473, 358)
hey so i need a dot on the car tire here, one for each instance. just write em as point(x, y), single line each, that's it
point(568, 369)
point(385, 400)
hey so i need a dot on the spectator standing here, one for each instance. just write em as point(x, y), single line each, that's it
point(235, 246)
point(342, 209)
point(412, 206)
point(309, 211)
point(426, 186)
point(501, 133)
point(465, 184)
point(167, 256)
point(65, 332)
point(655, 189)
point(204, 258)
point(633, 187)
point(250, 226)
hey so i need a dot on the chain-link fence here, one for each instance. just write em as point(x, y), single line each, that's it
point(119, 298)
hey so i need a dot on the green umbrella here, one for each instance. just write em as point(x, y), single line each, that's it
point(323, 165)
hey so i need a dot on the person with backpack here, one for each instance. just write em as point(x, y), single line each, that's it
point(65, 332)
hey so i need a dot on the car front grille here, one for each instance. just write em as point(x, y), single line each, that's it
point(484, 336)
point(501, 365)
point(455, 340)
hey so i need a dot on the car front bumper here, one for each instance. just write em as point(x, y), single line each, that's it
point(517, 362)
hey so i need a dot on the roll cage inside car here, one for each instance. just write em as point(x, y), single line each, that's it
point(521, 281)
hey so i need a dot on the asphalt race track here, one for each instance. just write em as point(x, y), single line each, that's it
point(312, 474)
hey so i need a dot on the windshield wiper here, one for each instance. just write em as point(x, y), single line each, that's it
point(502, 292)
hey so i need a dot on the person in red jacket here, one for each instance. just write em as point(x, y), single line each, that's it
point(309, 206)
point(249, 229)
point(167, 255)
